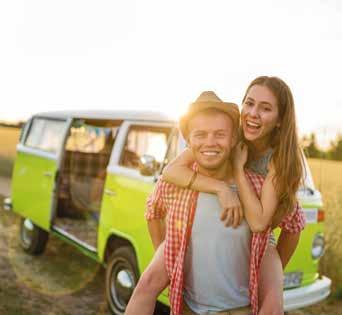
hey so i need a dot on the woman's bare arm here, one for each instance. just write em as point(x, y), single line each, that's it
point(178, 172)
point(258, 213)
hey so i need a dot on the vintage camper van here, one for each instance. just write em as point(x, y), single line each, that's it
point(85, 176)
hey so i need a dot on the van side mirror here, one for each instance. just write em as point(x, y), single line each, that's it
point(148, 165)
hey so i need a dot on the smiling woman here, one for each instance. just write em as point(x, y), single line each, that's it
point(259, 116)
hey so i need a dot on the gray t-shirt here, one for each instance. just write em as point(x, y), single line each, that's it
point(217, 261)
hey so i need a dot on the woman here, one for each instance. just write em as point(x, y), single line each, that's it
point(269, 147)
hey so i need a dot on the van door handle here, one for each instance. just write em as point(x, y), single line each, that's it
point(48, 174)
point(110, 192)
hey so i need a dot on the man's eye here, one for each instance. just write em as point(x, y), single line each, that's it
point(249, 103)
point(220, 135)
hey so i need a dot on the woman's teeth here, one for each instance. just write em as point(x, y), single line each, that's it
point(252, 124)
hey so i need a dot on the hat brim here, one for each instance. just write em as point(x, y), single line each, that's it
point(231, 109)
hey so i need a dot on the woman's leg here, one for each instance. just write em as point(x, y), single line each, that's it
point(151, 283)
point(271, 283)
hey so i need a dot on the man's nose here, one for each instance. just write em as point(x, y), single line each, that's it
point(210, 140)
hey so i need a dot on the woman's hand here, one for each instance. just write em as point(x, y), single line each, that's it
point(232, 213)
point(240, 155)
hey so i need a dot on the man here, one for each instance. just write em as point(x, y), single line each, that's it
point(216, 260)
point(207, 264)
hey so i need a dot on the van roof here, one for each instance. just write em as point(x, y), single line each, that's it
point(109, 114)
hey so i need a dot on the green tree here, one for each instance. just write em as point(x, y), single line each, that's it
point(335, 152)
point(310, 147)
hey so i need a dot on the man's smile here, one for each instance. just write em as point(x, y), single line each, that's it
point(210, 153)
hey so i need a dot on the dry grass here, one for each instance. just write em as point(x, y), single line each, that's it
point(8, 140)
point(62, 281)
point(328, 178)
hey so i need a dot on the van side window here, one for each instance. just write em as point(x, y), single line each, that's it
point(46, 134)
point(91, 139)
point(144, 140)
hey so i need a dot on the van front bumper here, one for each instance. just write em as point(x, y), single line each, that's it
point(307, 295)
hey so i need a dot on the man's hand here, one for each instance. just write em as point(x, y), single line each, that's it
point(232, 213)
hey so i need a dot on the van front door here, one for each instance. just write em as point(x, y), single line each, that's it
point(35, 170)
point(124, 203)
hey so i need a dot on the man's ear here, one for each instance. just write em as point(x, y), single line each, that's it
point(187, 141)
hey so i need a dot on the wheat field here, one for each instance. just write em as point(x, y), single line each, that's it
point(8, 139)
point(328, 179)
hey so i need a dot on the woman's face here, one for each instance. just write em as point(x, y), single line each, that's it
point(259, 115)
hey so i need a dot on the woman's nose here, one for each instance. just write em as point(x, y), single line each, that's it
point(254, 111)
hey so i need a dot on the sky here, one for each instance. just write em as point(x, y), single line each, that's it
point(159, 55)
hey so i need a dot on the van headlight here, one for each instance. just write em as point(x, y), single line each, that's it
point(317, 249)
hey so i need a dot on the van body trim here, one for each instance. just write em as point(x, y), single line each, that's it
point(37, 152)
point(74, 239)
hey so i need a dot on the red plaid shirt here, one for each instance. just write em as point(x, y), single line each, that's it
point(178, 206)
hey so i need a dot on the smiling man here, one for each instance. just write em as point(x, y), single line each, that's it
point(216, 264)
point(207, 263)
point(210, 140)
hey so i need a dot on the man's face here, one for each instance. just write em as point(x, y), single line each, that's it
point(211, 139)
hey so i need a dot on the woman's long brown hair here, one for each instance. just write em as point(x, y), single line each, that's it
point(287, 156)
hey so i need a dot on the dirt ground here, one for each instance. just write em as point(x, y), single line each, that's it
point(63, 281)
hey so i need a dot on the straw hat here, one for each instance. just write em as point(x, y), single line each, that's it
point(206, 100)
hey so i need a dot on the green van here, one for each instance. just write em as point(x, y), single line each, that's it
point(85, 177)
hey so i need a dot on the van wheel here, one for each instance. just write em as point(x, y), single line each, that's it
point(32, 238)
point(121, 279)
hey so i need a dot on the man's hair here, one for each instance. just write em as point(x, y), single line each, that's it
point(209, 111)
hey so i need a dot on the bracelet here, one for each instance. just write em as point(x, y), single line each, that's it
point(192, 179)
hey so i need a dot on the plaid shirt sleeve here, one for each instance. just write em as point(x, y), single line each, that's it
point(295, 221)
point(155, 208)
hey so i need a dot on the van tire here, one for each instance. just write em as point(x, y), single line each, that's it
point(33, 239)
point(122, 260)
